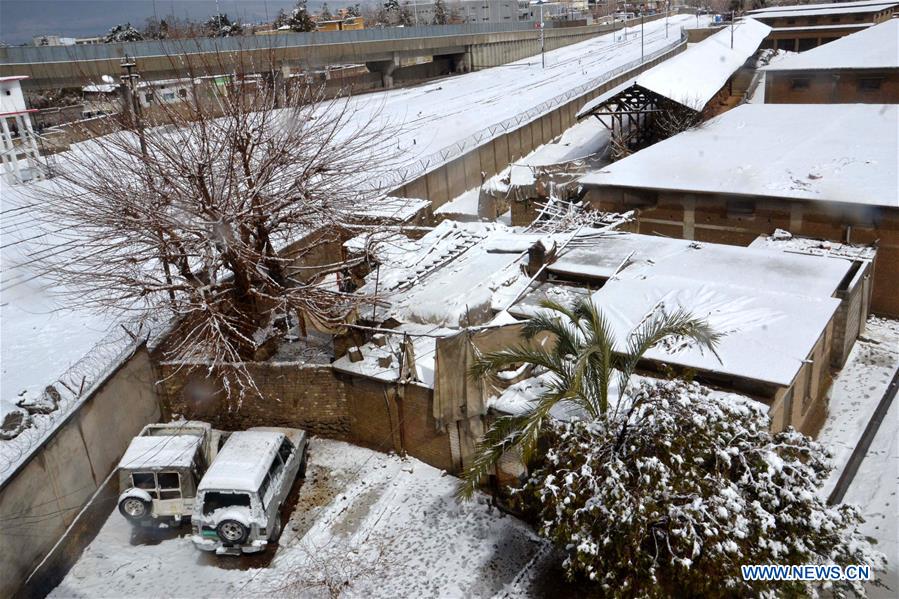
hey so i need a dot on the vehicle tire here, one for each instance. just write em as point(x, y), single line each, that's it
point(232, 532)
point(134, 509)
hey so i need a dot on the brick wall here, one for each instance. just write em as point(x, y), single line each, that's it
point(292, 394)
point(387, 419)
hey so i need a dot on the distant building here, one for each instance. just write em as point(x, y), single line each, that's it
point(806, 26)
point(52, 40)
point(164, 91)
point(100, 100)
point(345, 24)
point(862, 67)
point(817, 170)
point(18, 142)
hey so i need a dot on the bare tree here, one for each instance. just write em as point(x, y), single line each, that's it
point(182, 213)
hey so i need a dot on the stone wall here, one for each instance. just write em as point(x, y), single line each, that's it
point(291, 394)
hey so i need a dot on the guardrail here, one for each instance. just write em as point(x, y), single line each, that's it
point(38, 54)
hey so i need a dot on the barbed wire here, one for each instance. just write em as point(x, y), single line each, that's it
point(74, 385)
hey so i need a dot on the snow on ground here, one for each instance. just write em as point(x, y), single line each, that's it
point(857, 389)
point(854, 396)
point(429, 120)
point(40, 339)
point(390, 526)
point(876, 490)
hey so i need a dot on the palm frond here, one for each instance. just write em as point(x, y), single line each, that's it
point(492, 362)
point(502, 436)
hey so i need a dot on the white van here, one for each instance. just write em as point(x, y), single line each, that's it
point(237, 509)
point(160, 471)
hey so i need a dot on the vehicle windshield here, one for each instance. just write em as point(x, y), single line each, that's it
point(215, 500)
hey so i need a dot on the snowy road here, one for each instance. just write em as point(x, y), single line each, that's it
point(388, 526)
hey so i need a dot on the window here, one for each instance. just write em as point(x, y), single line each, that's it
point(835, 19)
point(791, 21)
point(145, 481)
point(799, 84)
point(740, 208)
point(215, 500)
point(285, 450)
point(168, 96)
point(169, 485)
point(182, 93)
point(812, 20)
point(148, 98)
point(859, 18)
point(869, 84)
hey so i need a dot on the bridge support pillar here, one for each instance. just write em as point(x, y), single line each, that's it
point(386, 69)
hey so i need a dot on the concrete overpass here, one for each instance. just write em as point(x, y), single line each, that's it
point(469, 46)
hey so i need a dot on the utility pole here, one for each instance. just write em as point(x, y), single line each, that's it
point(667, 10)
point(641, 36)
point(128, 65)
point(542, 38)
point(731, 30)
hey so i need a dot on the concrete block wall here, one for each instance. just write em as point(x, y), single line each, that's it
point(40, 500)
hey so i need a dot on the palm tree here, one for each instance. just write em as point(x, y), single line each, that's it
point(582, 364)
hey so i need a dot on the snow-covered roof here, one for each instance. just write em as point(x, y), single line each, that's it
point(424, 345)
point(825, 152)
point(784, 242)
point(811, 10)
point(449, 278)
point(874, 47)
point(242, 462)
point(755, 267)
point(766, 335)
point(161, 451)
point(772, 306)
point(100, 88)
point(695, 75)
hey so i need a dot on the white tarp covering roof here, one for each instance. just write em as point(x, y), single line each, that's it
point(767, 336)
point(827, 152)
point(875, 47)
point(163, 451)
point(821, 9)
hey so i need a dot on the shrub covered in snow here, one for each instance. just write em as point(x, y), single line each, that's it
point(123, 33)
point(678, 488)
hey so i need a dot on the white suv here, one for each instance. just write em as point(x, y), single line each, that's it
point(237, 508)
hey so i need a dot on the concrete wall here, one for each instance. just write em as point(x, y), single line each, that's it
point(831, 87)
point(449, 180)
point(706, 217)
point(41, 499)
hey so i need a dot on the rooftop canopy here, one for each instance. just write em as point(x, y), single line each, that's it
point(694, 76)
point(874, 47)
point(823, 152)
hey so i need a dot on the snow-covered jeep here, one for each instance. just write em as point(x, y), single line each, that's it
point(237, 509)
point(161, 468)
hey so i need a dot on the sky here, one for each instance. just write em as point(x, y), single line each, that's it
point(20, 20)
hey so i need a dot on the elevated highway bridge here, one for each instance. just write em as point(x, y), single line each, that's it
point(469, 47)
